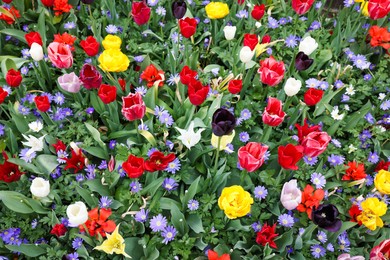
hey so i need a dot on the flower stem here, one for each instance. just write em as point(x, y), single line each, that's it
point(217, 155)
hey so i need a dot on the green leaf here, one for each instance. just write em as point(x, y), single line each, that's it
point(28, 166)
point(191, 191)
point(87, 196)
point(148, 31)
point(178, 220)
point(30, 250)
point(20, 123)
point(42, 26)
point(357, 117)
point(18, 34)
point(6, 65)
point(148, 136)
point(97, 152)
point(284, 240)
point(16, 202)
point(97, 186)
point(95, 135)
point(132, 248)
point(195, 223)
point(47, 163)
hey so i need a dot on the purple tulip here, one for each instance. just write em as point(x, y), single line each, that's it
point(302, 61)
point(325, 216)
point(223, 122)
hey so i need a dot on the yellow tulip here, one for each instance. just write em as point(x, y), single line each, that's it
point(372, 210)
point(217, 10)
point(225, 140)
point(113, 60)
point(112, 42)
point(113, 244)
point(382, 182)
point(235, 201)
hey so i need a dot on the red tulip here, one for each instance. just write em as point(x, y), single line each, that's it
point(313, 96)
point(186, 75)
point(32, 37)
point(266, 39)
point(9, 172)
point(158, 161)
point(251, 156)
point(381, 251)
point(90, 76)
point(140, 12)
point(7, 1)
point(90, 45)
point(107, 93)
point(3, 95)
point(271, 71)
point(289, 155)
point(235, 86)
point(47, 3)
point(42, 103)
point(315, 143)
point(258, 11)
point(251, 40)
point(133, 107)
point(197, 93)
point(304, 130)
point(378, 8)
point(273, 114)
point(187, 27)
point(59, 230)
point(134, 166)
point(301, 6)
point(13, 78)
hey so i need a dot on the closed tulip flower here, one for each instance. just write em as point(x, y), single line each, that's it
point(187, 27)
point(223, 122)
point(40, 187)
point(273, 114)
point(179, 8)
point(289, 156)
point(271, 71)
point(378, 9)
point(292, 87)
point(302, 61)
point(326, 216)
point(90, 77)
point(246, 54)
point(140, 12)
point(291, 195)
point(308, 45)
point(36, 52)
point(217, 10)
point(302, 6)
point(315, 143)
point(60, 55)
point(70, 82)
point(251, 156)
point(229, 32)
point(133, 107)
point(77, 214)
point(197, 92)
point(107, 93)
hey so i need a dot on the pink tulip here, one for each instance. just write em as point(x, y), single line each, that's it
point(60, 55)
point(70, 82)
point(291, 195)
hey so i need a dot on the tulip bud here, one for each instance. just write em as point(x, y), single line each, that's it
point(179, 9)
point(36, 52)
point(77, 214)
point(246, 54)
point(230, 32)
point(302, 61)
point(40, 187)
point(292, 87)
point(308, 45)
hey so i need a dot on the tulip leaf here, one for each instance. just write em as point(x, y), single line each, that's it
point(148, 137)
point(18, 34)
point(6, 65)
point(16, 202)
point(31, 250)
point(284, 240)
point(28, 166)
point(95, 135)
point(191, 191)
point(178, 220)
point(47, 163)
point(87, 196)
point(356, 117)
point(195, 223)
point(133, 248)
point(148, 31)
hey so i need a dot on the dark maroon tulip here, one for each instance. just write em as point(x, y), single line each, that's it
point(90, 77)
point(302, 61)
point(88, 2)
point(179, 9)
point(223, 122)
point(325, 216)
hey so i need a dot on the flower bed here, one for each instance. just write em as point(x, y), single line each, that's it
point(194, 129)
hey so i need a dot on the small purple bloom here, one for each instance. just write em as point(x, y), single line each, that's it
point(158, 223)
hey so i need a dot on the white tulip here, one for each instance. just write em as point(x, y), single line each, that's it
point(36, 144)
point(246, 54)
point(291, 195)
point(292, 87)
point(230, 32)
point(35, 126)
point(77, 214)
point(40, 187)
point(308, 45)
point(36, 51)
point(188, 137)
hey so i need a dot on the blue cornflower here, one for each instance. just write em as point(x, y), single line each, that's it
point(385, 105)
point(193, 205)
point(318, 180)
point(173, 79)
point(166, 119)
point(27, 155)
point(69, 25)
point(77, 243)
point(111, 29)
point(152, 2)
point(317, 251)
point(245, 114)
point(286, 220)
point(242, 14)
point(170, 184)
point(135, 186)
point(312, 83)
point(373, 157)
point(168, 234)
point(141, 216)
point(105, 202)
point(291, 41)
point(161, 11)
point(158, 223)
point(310, 160)
point(176, 37)
point(348, 3)
point(244, 137)
point(335, 160)
point(260, 192)
point(59, 99)
point(173, 166)
point(272, 23)
point(322, 237)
